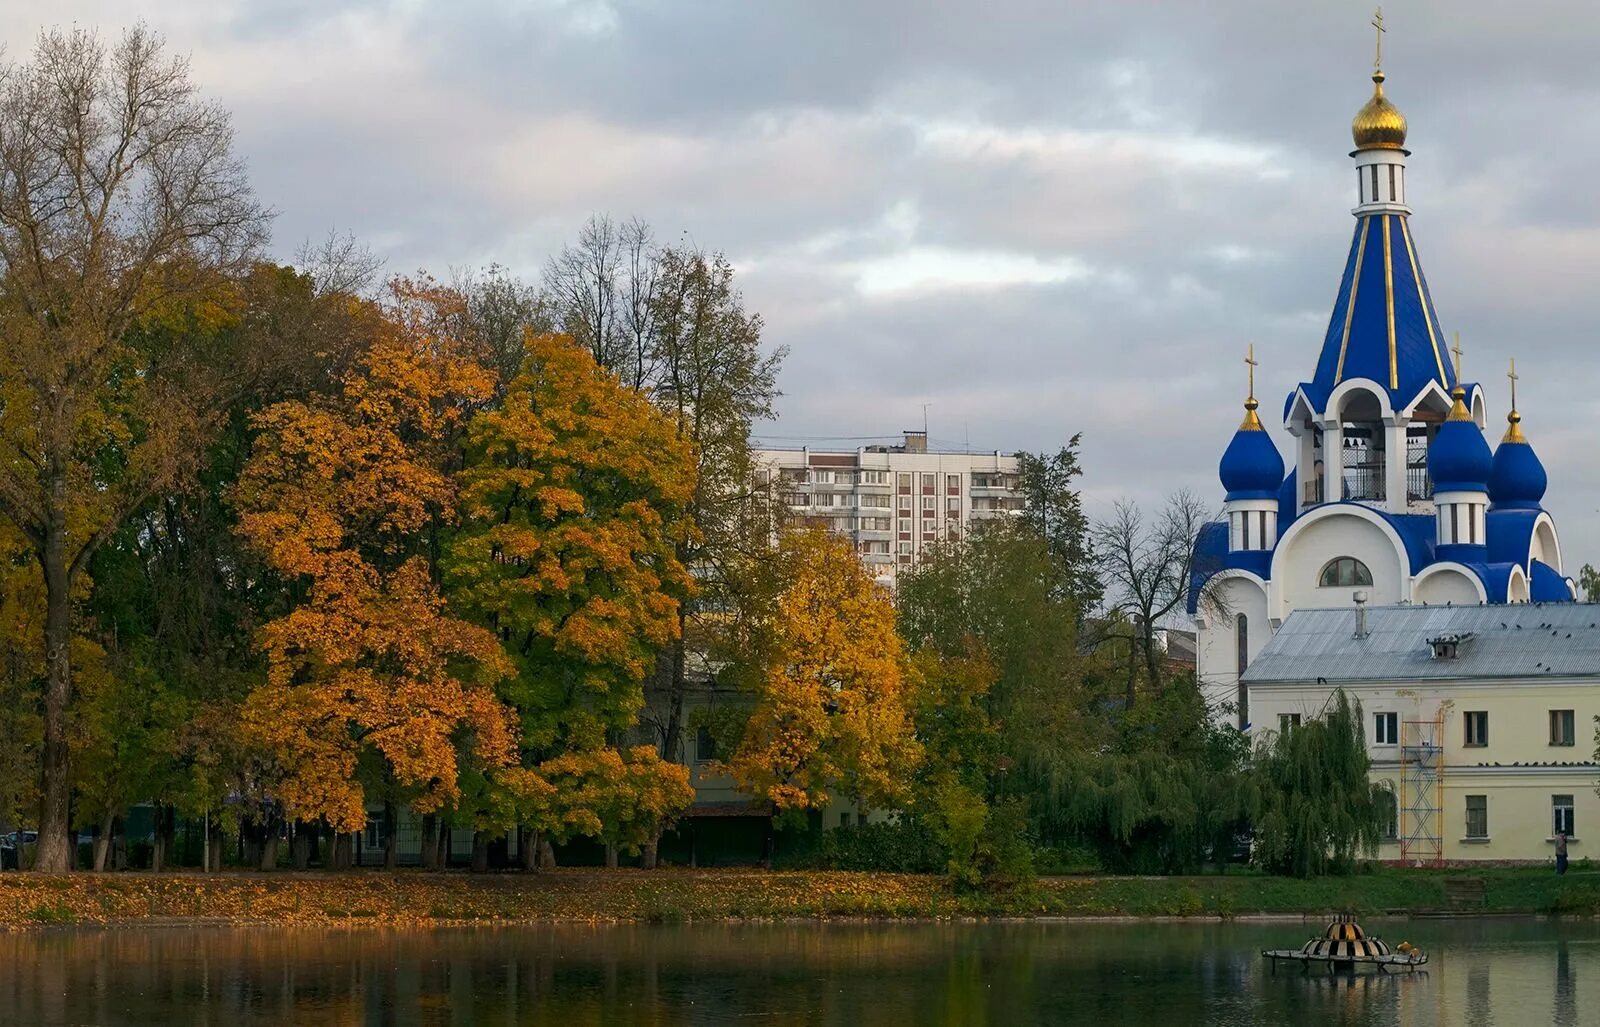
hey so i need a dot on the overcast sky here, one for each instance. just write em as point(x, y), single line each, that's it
point(1039, 218)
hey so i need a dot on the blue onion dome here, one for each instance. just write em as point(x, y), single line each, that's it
point(1517, 480)
point(1252, 467)
point(1459, 459)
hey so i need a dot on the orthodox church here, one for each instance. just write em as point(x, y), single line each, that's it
point(1394, 496)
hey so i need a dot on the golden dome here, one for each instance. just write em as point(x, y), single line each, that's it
point(1379, 125)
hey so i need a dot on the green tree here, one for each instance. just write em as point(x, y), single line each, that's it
point(1589, 583)
point(1053, 509)
point(1318, 808)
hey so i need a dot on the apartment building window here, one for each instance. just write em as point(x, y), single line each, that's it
point(875, 548)
point(874, 477)
point(844, 477)
point(822, 477)
point(1386, 729)
point(904, 547)
point(928, 480)
point(903, 479)
point(952, 482)
point(873, 502)
point(1561, 815)
point(825, 499)
point(952, 506)
point(1288, 722)
point(1562, 729)
point(928, 502)
point(905, 503)
point(705, 746)
point(1477, 727)
point(1477, 816)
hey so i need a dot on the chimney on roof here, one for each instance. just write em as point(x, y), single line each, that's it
point(916, 441)
point(1360, 599)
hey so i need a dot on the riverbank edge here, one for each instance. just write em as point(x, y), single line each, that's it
point(582, 896)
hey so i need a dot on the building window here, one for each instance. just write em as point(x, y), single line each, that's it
point(928, 480)
point(905, 502)
point(952, 506)
point(928, 503)
point(1477, 816)
point(1561, 815)
point(1241, 645)
point(952, 482)
point(1477, 727)
point(1386, 729)
point(1288, 722)
point(903, 479)
point(874, 477)
point(1344, 572)
point(374, 837)
point(705, 746)
point(904, 547)
point(1391, 815)
point(1562, 731)
point(824, 477)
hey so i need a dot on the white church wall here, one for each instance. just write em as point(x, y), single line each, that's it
point(1327, 534)
point(1441, 584)
point(1217, 666)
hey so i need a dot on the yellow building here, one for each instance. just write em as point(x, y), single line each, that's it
point(1480, 718)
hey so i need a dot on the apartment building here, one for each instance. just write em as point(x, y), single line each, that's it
point(893, 501)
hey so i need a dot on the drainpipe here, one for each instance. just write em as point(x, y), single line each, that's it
point(1360, 599)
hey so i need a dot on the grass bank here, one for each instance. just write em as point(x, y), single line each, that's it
point(412, 898)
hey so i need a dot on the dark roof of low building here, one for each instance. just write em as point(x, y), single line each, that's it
point(1522, 641)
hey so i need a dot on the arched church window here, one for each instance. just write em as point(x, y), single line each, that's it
point(1389, 806)
point(1242, 646)
point(1345, 571)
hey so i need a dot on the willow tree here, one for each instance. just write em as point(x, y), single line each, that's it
point(1319, 808)
point(118, 192)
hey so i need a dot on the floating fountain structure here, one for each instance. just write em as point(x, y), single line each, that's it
point(1344, 947)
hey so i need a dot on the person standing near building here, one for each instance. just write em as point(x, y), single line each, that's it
point(1561, 852)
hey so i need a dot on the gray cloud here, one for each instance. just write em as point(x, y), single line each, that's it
point(1036, 217)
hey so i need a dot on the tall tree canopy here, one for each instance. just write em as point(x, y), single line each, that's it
point(118, 193)
point(341, 495)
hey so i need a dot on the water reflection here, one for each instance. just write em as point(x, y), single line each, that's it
point(1502, 972)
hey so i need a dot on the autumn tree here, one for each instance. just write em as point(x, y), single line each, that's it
point(342, 497)
point(575, 495)
point(830, 677)
point(118, 191)
point(625, 798)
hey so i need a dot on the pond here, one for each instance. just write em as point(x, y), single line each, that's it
point(1482, 972)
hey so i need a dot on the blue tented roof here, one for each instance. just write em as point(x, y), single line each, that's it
point(1401, 351)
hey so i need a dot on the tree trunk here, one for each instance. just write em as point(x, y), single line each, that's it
point(671, 738)
point(430, 842)
point(341, 856)
point(158, 839)
point(102, 843)
point(647, 858)
point(444, 846)
point(528, 848)
point(611, 857)
point(269, 850)
point(391, 825)
point(217, 841)
point(300, 846)
point(55, 780)
point(480, 851)
point(547, 854)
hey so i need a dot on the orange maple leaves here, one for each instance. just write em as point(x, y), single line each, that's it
point(338, 493)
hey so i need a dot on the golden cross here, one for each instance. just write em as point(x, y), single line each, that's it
point(1377, 23)
point(1253, 362)
point(1512, 374)
point(1456, 349)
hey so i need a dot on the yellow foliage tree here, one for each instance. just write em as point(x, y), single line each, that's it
point(626, 798)
point(575, 491)
point(832, 684)
point(343, 495)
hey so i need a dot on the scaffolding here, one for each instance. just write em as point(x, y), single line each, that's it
point(1422, 791)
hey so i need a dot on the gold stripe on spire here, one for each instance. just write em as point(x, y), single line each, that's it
point(1422, 298)
point(1350, 308)
point(1388, 302)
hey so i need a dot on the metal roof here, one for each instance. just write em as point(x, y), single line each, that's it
point(1506, 641)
